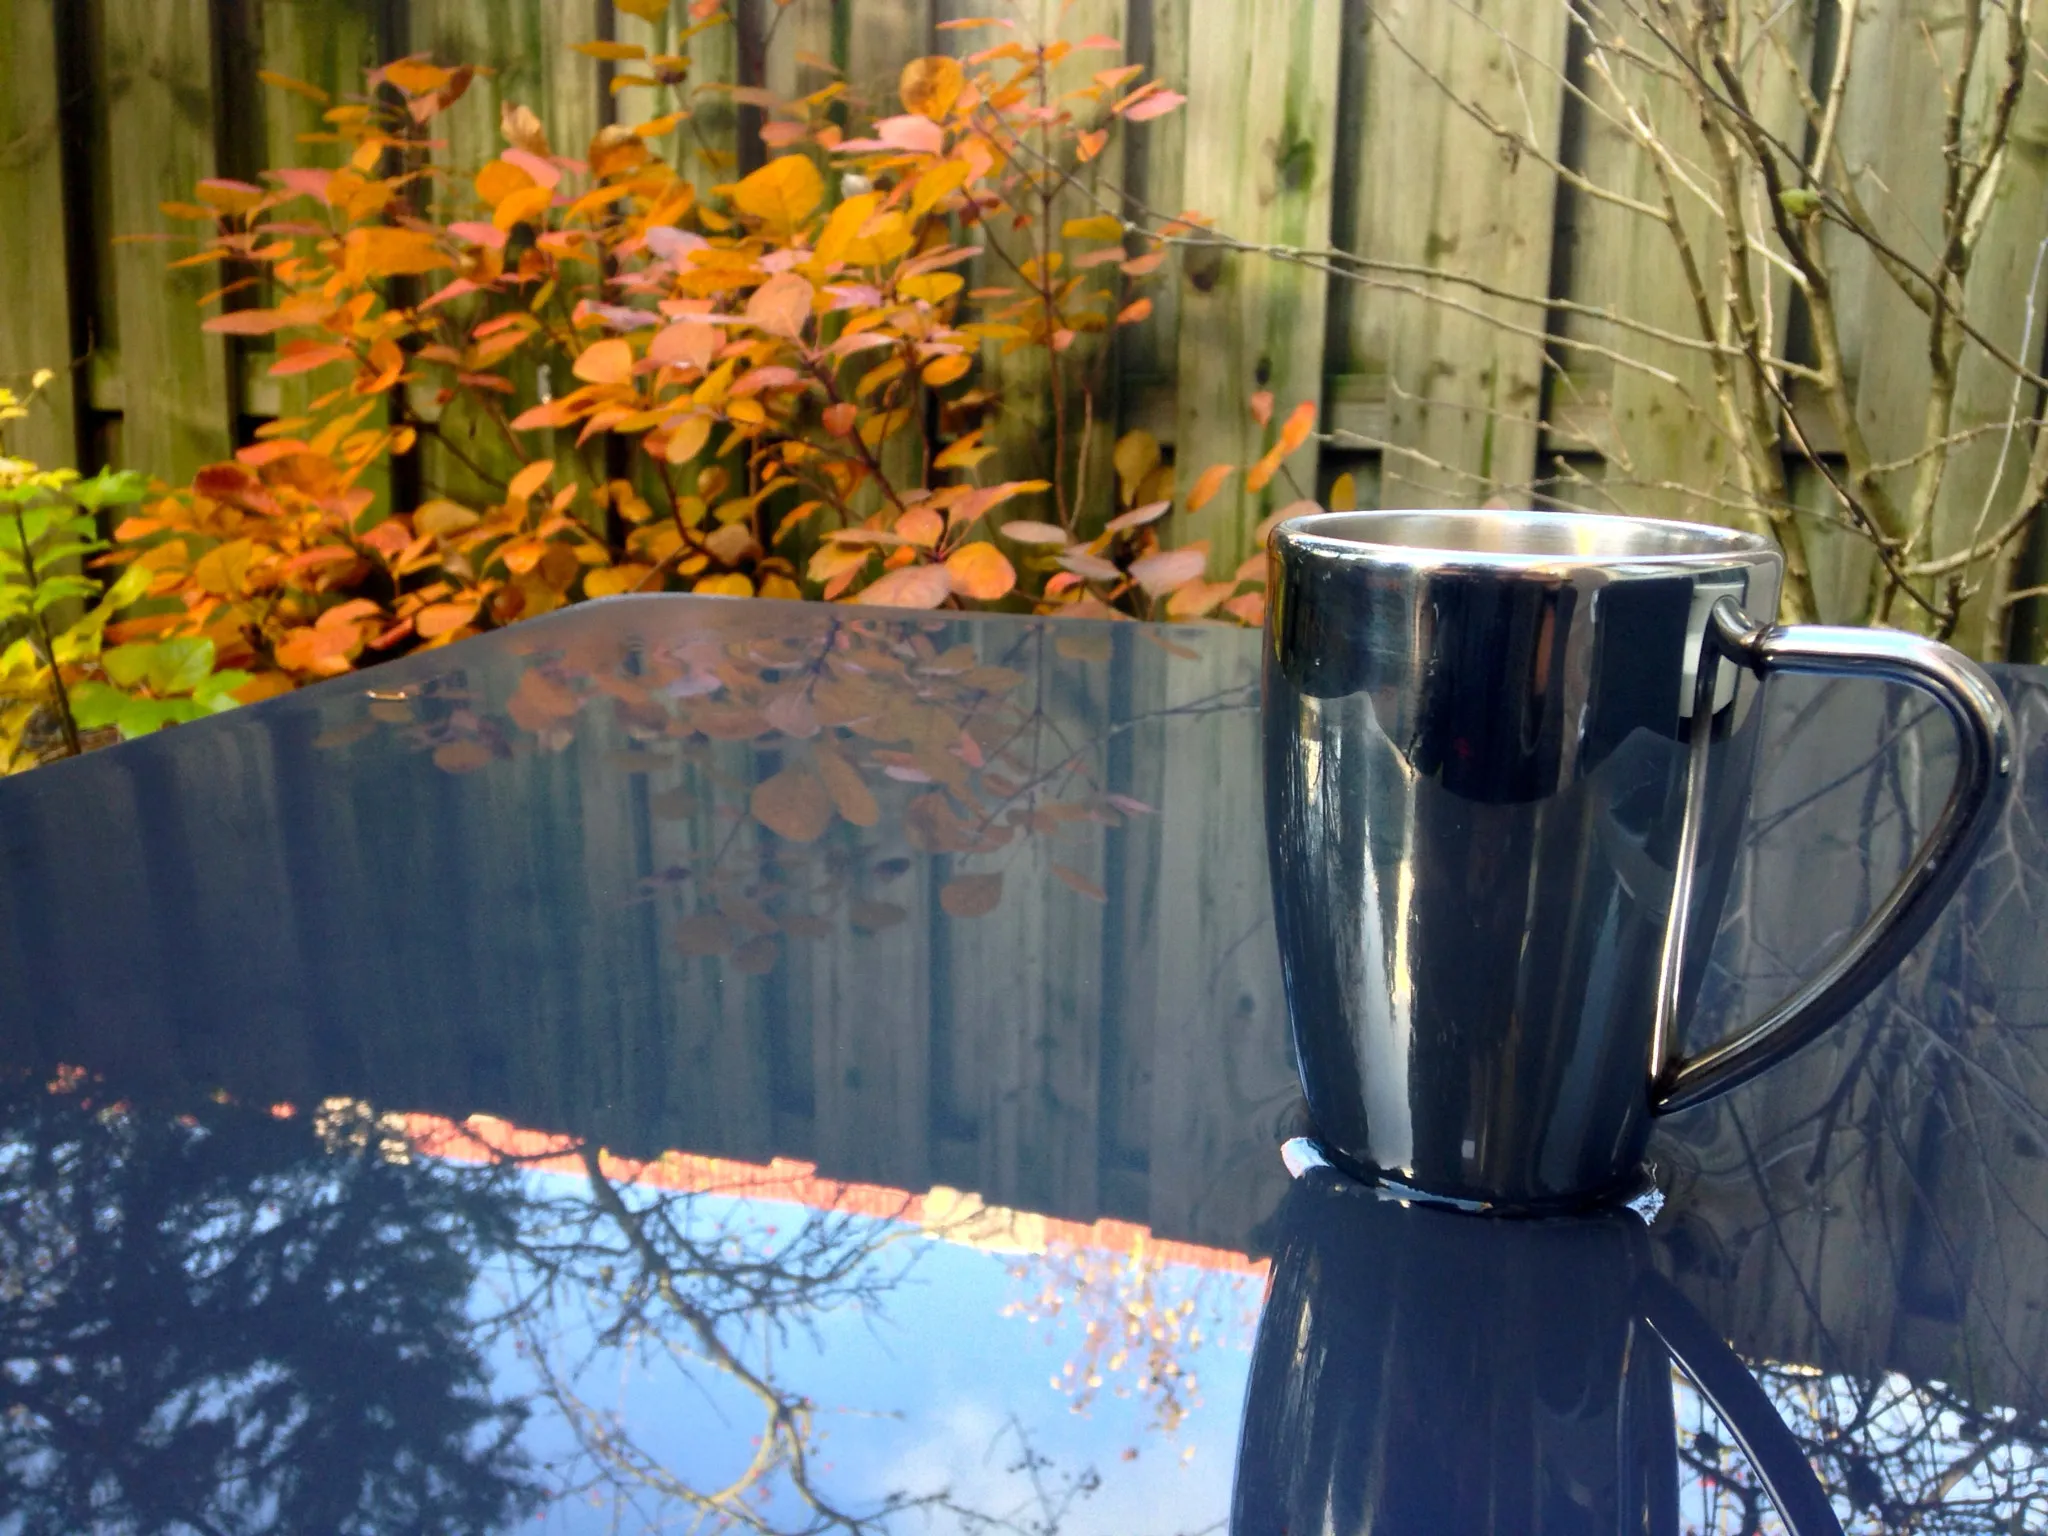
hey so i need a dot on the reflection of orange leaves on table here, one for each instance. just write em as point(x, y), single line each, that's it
point(971, 895)
point(793, 804)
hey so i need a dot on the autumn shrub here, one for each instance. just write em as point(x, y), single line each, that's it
point(782, 386)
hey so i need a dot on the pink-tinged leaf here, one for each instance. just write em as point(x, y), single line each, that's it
point(543, 170)
point(1273, 520)
point(454, 290)
point(1137, 517)
point(685, 344)
point(673, 245)
point(1090, 567)
point(1158, 104)
point(775, 376)
point(1100, 42)
point(1129, 806)
point(304, 356)
point(248, 322)
point(859, 341)
point(472, 232)
point(912, 131)
point(914, 586)
point(1262, 407)
point(1023, 532)
point(1161, 573)
point(306, 181)
point(781, 305)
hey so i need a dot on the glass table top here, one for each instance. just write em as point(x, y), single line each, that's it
point(686, 1064)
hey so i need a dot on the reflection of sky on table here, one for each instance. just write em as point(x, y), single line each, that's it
point(899, 1415)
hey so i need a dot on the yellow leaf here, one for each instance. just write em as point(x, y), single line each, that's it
point(732, 584)
point(529, 480)
point(940, 181)
point(980, 571)
point(686, 439)
point(931, 86)
point(606, 362)
point(646, 10)
point(1344, 493)
point(441, 518)
point(794, 804)
point(613, 51)
point(932, 287)
point(944, 370)
point(1100, 226)
point(1136, 456)
point(270, 77)
point(845, 223)
point(782, 194)
point(444, 618)
point(1208, 485)
point(522, 207)
point(614, 579)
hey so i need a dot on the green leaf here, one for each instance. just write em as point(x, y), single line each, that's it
point(133, 584)
point(217, 692)
point(94, 705)
point(140, 717)
point(180, 665)
point(110, 488)
point(128, 665)
point(59, 588)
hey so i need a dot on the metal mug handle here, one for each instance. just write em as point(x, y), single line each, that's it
point(1983, 773)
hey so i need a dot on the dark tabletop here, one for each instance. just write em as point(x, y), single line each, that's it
point(692, 1064)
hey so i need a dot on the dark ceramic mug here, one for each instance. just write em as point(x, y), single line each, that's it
point(1508, 761)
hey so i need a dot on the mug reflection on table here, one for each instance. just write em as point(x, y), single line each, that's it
point(1424, 1372)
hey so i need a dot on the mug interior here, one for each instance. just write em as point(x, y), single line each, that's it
point(1527, 537)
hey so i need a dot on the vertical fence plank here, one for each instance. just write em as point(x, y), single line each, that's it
point(156, 80)
point(35, 316)
point(1436, 189)
point(1262, 99)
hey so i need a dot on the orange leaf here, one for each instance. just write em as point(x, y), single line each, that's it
point(944, 370)
point(839, 418)
point(781, 305)
point(462, 756)
point(499, 180)
point(608, 362)
point(1080, 883)
point(1134, 311)
point(440, 618)
point(1089, 145)
point(850, 793)
point(380, 251)
point(971, 895)
point(1206, 487)
point(529, 480)
point(980, 571)
point(794, 805)
point(1197, 598)
point(416, 77)
point(1261, 474)
point(1301, 421)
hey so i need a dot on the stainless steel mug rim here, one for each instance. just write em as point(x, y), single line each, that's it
point(1520, 541)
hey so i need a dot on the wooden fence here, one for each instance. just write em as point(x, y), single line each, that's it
point(1309, 123)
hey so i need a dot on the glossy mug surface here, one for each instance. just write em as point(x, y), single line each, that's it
point(1508, 759)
